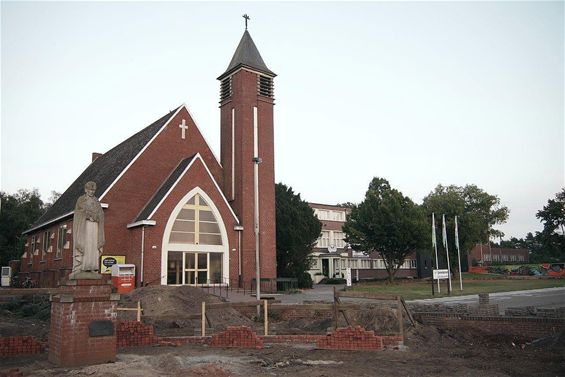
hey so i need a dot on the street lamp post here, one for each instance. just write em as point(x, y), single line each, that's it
point(256, 162)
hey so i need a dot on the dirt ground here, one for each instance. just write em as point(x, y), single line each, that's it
point(429, 351)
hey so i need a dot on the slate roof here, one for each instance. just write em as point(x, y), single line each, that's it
point(164, 189)
point(246, 55)
point(104, 171)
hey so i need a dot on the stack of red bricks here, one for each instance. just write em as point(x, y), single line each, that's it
point(351, 338)
point(20, 345)
point(237, 336)
point(133, 333)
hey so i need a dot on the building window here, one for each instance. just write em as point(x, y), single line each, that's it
point(339, 239)
point(196, 224)
point(337, 215)
point(61, 239)
point(45, 244)
point(322, 214)
point(32, 249)
point(324, 240)
point(412, 263)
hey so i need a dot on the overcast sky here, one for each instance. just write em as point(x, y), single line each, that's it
point(418, 93)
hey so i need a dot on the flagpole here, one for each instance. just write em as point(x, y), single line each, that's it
point(434, 243)
point(458, 253)
point(444, 234)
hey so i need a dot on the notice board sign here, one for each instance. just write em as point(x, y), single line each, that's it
point(107, 261)
point(441, 274)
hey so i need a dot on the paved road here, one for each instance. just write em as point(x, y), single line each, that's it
point(541, 298)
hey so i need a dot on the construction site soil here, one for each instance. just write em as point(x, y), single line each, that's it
point(428, 351)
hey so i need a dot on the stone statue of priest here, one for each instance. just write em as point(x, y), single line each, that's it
point(88, 232)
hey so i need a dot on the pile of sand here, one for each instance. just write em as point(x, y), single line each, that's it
point(174, 310)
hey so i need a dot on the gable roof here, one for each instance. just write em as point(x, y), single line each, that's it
point(170, 183)
point(164, 189)
point(104, 171)
point(247, 55)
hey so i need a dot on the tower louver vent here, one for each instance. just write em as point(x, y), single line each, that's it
point(266, 86)
point(225, 88)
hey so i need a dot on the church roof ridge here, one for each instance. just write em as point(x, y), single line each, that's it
point(246, 55)
point(164, 188)
point(104, 171)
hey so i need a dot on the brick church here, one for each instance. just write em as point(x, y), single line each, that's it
point(171, 208)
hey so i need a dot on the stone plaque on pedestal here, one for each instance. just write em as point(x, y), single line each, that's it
point(83, 323)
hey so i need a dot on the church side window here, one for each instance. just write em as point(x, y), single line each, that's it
point(196, 224)
point(45, 244)
point(61, 239)
point(32, 249)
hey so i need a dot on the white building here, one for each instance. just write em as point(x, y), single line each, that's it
point(331, 255)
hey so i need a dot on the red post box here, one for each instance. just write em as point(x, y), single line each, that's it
point(123, 277)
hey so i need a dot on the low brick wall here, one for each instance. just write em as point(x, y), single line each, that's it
point(527, 327)
point(132, 334)
point(288, 314)
point(297, 339)
point(351, 338)
point(11, 346)
point(177, 341)
point(236, 336)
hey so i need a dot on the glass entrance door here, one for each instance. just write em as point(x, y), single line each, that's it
point(196, 268)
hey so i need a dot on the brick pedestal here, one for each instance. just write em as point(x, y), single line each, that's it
point(83, 323)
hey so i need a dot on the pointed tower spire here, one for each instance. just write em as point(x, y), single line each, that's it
point(247, 55)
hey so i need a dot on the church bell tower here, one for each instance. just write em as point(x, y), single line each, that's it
point(247, 155)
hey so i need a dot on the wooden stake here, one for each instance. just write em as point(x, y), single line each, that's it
point(335, 308)
point(400, 320)
point(266, 317)
point(203, 318)
point(139, 311)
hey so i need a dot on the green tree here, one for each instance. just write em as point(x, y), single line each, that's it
point(17, 213)
point(552, 237)
point(386, 222)
point(297, 231)
point(477, 212)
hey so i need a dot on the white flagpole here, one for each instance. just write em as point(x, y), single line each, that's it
point(444, 234)
point(434, 243)
point(458, 253)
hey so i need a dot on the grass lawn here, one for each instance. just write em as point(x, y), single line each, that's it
point(472, 284)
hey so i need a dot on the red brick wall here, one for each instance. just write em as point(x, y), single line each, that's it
point(133, 334)
point(530, 328)
point(243, 99)
point(351, 338)
point(12, 346)
point(196, 176)
point(236, 336)
point(287, 314)
point(72, 312)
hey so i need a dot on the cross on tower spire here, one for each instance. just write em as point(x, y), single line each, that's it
point(246, 19)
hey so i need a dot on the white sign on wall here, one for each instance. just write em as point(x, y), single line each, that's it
point(441, 274)
point(348, 276)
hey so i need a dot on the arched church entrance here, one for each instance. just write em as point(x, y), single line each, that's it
point(195, 243)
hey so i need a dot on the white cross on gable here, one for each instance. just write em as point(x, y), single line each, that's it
point(183, 127)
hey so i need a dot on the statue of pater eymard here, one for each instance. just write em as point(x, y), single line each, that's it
point(88, 232)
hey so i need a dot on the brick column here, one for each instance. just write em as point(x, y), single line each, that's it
point(83, 323)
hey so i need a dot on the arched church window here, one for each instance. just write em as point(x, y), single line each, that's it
point(196, 224)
